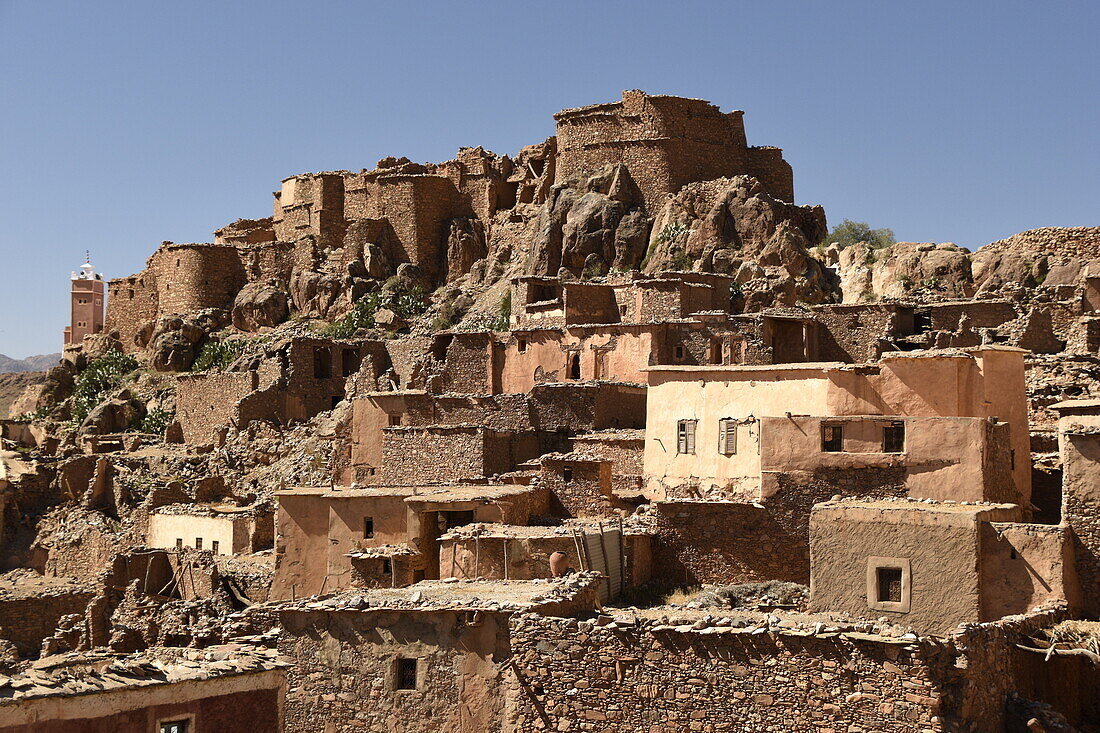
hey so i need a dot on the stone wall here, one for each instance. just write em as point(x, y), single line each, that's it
point(575, 676)
point(344, 676)
point(26, 621)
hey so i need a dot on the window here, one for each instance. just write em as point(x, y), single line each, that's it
point(679, 353)
point(893, 438)
point(179, 543)
point(832, 438)
point(387, 566)
point(198, 543)
point(727, 436)
point(522, 346)
point(350, 362)
point(889, 585)
point(175, 726)
point(214, 547)
point(368, 528)
point(685, 436)
point(574, 366)
point(336, 400)
point(322, 363)
point(395, 419)
point(405, 674)
point(567, 474)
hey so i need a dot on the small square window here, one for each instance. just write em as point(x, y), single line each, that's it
point(522, 346)
point(395, 420)
point(198, 543)
point(889, 585)
point(567, 474)
point(368, 528)
point(893, 438)
point(832, 438)
point(405, 674)
point(679, 353)
point(179, 543)
point(175, 726)
point(214, 547)
point(685, 436)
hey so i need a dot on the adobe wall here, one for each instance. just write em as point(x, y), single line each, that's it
point(941, 548)
point(1081, 509)
point(244, 703)
point(316, 529)
point(1024, 566)
point(958, 459)
point(301, 545)
point(528, 557)
point(342, 658)
point(576, 676)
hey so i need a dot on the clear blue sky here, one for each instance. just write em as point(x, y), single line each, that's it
point(125, 124)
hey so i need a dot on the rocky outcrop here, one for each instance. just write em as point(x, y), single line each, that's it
point(1011, 268)
point(173, 341)
point(733, 226)
point(113, 416)
point(591, 226)
point(258, 305)
point(904, 270)
point(1048, 257)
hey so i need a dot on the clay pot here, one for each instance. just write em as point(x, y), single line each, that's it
point(559, 564)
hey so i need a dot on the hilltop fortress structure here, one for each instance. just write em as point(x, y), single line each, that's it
point(439, 216)
point(595, 438)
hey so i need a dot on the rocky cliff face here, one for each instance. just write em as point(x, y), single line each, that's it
point(1035, 259)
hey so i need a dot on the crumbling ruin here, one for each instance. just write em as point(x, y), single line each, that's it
point(602, 436)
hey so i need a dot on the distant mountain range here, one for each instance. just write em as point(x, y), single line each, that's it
point(30, 364)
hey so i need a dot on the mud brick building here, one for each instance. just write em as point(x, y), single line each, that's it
point(318, 529)
point(219, 528)
point(665, 142)
point(709, 428)
point(499, 430)
point(294, 382)
point(936, 565)
point(440, 646)
point(232, 689)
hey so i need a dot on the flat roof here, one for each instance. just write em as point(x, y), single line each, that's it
point(808, 366)
point(450, 594)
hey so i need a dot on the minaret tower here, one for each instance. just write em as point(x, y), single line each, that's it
point(87, 303)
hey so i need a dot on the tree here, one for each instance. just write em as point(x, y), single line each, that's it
point(849, 232)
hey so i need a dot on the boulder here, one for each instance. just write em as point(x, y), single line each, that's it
point(258, 305)
point(113, 416)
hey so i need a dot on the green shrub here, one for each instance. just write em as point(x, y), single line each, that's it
point(407, 302)
point(101, 376)
point(504, 313)
point(849, 232)
point(156, 421)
